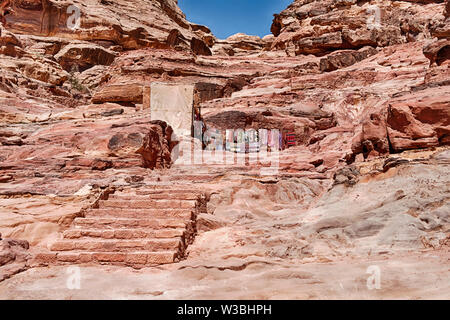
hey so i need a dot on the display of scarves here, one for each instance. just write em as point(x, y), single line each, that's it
point(274, 139)
point(254, 147)
point(198, 130)
point(241, 141)
point(280, 141)
point(290, 139)
point(218, 140)
point(229, 139)
point(262, 137)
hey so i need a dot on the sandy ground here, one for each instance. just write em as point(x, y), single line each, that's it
point(407, 276)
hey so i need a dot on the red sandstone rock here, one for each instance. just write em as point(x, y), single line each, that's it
point(13, 257)
point(318, 27)
point(199, 47)
point(49, 18)
point(69, 138)
point(419, 123)
point(239, 44)
point(342, 59)
point(438, 52)
point(9, 43)
point(83, 56)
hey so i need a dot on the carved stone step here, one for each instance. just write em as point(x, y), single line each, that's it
point(148, 204)
point(141, 213)
point(136, 259)
point(165, 191)
point(124, 233)
point(114, 223)
point(151, 245)
point(154, 196)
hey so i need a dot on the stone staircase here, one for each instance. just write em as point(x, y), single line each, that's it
point(134, 227)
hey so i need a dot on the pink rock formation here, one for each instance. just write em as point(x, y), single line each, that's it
point(89, 178)
point(13, 257)
point(99, 21)
point(239, 44)
point(438, 52)
point(318, 27)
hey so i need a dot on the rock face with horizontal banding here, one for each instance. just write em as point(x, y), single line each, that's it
point(318, 27)
point(92, 174)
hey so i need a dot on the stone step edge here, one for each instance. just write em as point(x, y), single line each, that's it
point(120, 245)
point(121, 233)
point(135, 259)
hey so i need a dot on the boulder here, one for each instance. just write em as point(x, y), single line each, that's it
point(241, 44)
point(9, 44)
point(345, 58)
point(419, 124)
point(82, 56)
point(13, 257)
point(200, 48)
point(121, 93)
point(437, 52)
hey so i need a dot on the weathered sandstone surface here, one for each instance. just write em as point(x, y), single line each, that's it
point(120, 25)
point(13, 257)
point(318, 27)
point(88, 178)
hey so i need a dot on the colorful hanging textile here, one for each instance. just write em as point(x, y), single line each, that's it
point(198, 130)
point(233, 147)
point(290, 139)
point(240, 140)
point(229, 139)
point(263, 135)
point(274, 139)
point(253, 147)
point(280, 142)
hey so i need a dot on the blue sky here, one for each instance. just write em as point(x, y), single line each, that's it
point(227, 17)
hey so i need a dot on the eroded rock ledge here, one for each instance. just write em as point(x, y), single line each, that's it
point(13, 257)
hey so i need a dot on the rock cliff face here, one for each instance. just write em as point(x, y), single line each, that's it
point(88, 178)
point(119, 25)
point(318, 27)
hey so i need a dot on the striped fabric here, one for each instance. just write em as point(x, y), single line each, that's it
point(253, 147)
point(290, 139)
point(274, 140)
point(263, 137)
point(241, 147)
